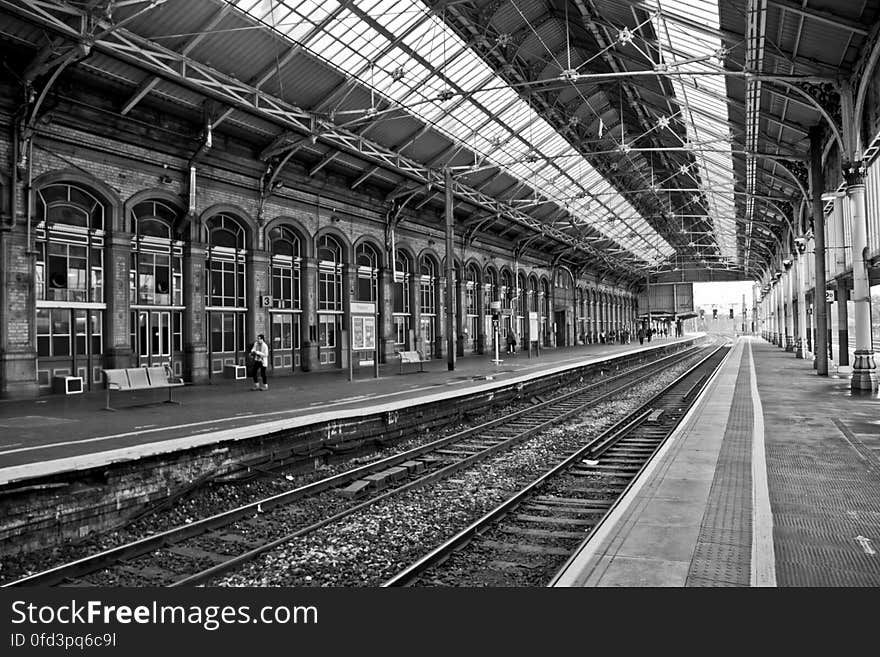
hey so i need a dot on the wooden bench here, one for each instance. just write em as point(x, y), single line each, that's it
point(141, 378)
point(411, 357)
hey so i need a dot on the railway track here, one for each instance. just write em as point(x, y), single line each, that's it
point(525, 540)
point(198, 551)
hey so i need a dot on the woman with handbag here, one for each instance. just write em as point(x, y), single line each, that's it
point(260, 353)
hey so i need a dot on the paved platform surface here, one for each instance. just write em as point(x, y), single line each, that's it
point(773, 479)
point(60, 433)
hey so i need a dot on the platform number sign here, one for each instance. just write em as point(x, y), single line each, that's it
point(265, 300)
point(829, 296)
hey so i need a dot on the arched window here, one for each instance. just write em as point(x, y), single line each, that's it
point(563, 278)
point(70, 241)
point(470, 292)
point(367, 259)
point(330, 262)
point(286, 253)
point(490, 289)
point(156, 260)
point(471, 303)
point(506, 293)
point(456, 277)
point(156, 285)
point(545, 310)
point(522, 308)
point(402, 291)
point(533, 295)
point(225, 291)
point(429, 328)
point(226, 263)
point(329, 274)
point(427, 287)
point(69, 281)
point(70, 206)
point(286, 273)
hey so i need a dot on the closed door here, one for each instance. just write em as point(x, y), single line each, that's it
point(226, 345)
point(428, 336)
point(285, 342)
point(153, 338)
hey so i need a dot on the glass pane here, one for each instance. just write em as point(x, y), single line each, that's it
point(79, 319)
point(216, 332)
point(96, 329)
point(164, 334)
point(228, 332)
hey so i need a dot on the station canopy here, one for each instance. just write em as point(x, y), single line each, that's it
point(632, 138)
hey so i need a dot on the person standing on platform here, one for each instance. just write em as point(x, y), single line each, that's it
point(511, 341)
point(260, 352)
point(641, 334)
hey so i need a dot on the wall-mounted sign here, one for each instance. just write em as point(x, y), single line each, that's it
point(363, 308)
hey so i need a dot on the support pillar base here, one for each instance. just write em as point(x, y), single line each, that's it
point(864, 373)
point(799, 351)
point(789, 343)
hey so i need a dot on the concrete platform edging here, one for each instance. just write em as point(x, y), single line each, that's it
point(665, 478)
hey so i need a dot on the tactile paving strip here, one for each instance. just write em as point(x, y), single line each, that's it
point(723, 552)
point(824, 493)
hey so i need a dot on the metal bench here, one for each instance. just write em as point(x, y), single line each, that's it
point(141, 378)
point(411, 357)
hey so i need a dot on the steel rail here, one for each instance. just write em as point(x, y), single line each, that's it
point(107, 558)
point(616, 431)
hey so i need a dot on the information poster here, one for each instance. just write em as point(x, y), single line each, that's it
point(363, 333)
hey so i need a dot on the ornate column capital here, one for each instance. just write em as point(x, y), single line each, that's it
point(854, 173)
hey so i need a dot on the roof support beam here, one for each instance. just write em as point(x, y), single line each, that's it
point(150, 83)
point(327, 159)
point(361, 178)
point(143, 53)
point(821, 16)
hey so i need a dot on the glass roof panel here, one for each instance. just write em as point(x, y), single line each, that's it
point(708, 94)
point(432, 74)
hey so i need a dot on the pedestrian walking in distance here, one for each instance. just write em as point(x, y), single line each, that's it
point(260, 352)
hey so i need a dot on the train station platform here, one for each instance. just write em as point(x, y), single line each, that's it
point(772, 479)
point(47, 436)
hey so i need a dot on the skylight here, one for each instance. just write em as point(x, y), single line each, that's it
point(701, 97)
point(409, 57)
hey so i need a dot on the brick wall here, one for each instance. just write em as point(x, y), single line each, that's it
point(120, 163)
